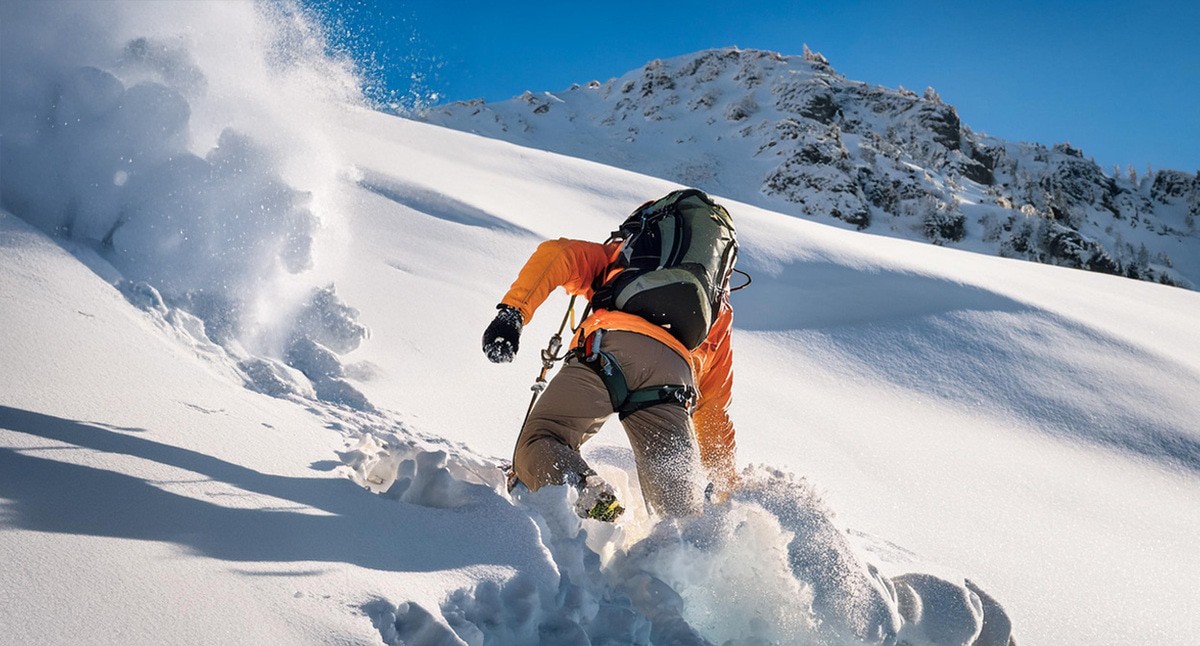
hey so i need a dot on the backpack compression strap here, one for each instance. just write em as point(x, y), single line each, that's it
point(625, 402)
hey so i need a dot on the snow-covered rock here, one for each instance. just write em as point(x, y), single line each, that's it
point(791, 134)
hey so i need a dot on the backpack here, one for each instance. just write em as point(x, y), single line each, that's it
point(674, 263)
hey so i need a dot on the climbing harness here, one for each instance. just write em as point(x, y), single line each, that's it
point(625, 402)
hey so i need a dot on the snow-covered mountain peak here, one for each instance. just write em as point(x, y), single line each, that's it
point(791, 134)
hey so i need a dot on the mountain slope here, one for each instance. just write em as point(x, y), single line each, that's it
point(962, 414)
point(218, 446)
point(791, 134)
point(146, 496)
point(933, 388)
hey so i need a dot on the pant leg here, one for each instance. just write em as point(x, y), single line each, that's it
point(572, 409)
point(663, 437)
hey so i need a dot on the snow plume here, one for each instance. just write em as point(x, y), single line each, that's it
point(769, 566)
point(180, 142)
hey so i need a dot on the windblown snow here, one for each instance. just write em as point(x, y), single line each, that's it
point(242, 398)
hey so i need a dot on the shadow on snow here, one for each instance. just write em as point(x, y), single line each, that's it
point(975, 347)
point(363, 529)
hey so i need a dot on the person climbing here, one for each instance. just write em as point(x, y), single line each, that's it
point(655, 349)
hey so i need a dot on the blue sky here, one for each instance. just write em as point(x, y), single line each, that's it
point(1121, 80)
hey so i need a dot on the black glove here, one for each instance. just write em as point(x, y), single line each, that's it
point(502, 337)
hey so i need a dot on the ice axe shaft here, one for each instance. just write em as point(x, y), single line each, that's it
point(549, 358)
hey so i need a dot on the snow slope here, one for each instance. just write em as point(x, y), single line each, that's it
point(1006, 420)
point(1031, 428)
point(149, 498)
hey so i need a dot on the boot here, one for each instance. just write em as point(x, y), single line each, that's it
point(597, 500)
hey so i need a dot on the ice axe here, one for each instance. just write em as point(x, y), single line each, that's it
point(550, 357)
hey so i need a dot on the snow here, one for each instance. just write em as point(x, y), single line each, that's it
point(140, 483)
point(314, 459)
point(175, 151)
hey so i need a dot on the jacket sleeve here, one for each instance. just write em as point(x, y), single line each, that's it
point(571, 264)
point(714, 430)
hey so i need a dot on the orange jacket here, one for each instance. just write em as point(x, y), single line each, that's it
point(574, 265)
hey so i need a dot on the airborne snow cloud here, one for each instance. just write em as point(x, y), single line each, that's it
point(180, 142)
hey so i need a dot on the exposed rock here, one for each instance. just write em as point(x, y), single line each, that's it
point(656, 79)
point(820, 191)
point(1170, 184)
point(981, 166)
point(816, 59)
point(1078, 182)
point(942, 120)
point(1067, 247)
point(741, 109)
point(1069, 150)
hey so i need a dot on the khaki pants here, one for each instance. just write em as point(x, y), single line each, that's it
point(575, 406)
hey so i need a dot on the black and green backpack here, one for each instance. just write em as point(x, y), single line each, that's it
point(676, 257)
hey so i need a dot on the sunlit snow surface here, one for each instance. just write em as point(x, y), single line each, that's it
point(287, 479)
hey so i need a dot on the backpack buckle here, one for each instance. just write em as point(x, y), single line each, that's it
point(685, 396)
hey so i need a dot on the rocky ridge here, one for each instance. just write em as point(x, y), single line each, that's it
point(791, 134)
